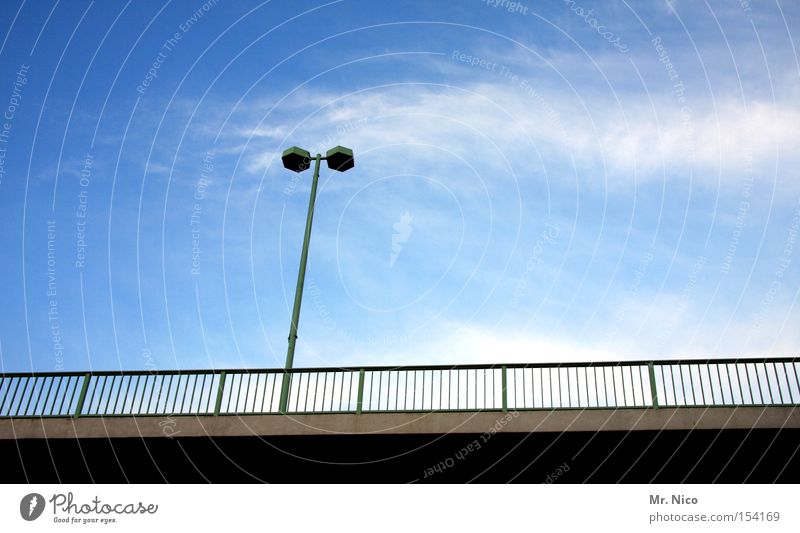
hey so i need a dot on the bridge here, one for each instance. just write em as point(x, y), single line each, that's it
point(710, 419)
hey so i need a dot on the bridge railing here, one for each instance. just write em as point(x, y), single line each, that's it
point(596, 385)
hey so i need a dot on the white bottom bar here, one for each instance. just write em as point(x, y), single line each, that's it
point(370, 508)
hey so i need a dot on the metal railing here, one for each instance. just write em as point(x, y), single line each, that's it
point(601, 385)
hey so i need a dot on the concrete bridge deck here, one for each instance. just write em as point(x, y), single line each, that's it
point(433, 423)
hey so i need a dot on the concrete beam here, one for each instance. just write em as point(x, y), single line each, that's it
point(403, 423)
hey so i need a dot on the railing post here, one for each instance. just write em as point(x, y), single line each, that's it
point(505, 389)
point(653, 390)
point(220, 389)
point(360, 399)
point(82, 396)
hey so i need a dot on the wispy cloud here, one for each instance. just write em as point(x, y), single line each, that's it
point(636, 138)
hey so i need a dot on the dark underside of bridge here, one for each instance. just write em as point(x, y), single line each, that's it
point(699, 456)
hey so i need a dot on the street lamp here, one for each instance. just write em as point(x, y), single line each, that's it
point(297, 160)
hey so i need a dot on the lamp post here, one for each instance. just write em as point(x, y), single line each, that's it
point(297, 160)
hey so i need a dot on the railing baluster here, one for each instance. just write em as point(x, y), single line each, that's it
point(230, 394)
point(38, 397)
point(119, 393)
point(66, 390)
point(475, 381)
point(504, 381)
point(758, 386)
point(272, 389)
point(614, 386)
point(702, 391)
point(63, 397)
point(185, 392)
point(210, 391)
point(397, 393)
point(422, 390)
point(324, 392)
point(255, 393)
point(108, 400)
point(14, 398)
point(341, 391)
point(674, 388)
point(749, 385)
point(100, 397)
point(683, 386)
point(172, 395)
point(133, 398)
point(739, 382)
point(125, 399)
point(484, 388)
point(730, 383)
point(691, 384)
point(378, 393)
point(11, 381)
point(778, 382)
point(711, 384)
point(558, 384)
point(414, 391)
point(152, 392)
point(299, 388)
point(396, 387)
point(47, 397)
point(263, 395)
point(448, 398)
point(308, 388)
point(4, 381)
point(772, 397)
point(21, 398)
point(160, 392)
point(317, 376)
point(238, 392)
point(350, 390)
point(33, 390)
point(788, 383)
point(458, 389)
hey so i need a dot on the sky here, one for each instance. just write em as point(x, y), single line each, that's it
point(534, 181)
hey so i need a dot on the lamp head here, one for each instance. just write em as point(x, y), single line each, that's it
point(296, 159)
point(340, 158)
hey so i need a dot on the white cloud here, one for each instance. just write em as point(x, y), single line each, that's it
point(636, 140)
point(454, 343)
point(476, 344)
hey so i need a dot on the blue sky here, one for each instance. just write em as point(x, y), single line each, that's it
point(534, 181)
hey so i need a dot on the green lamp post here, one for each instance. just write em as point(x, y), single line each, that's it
point(297, 160)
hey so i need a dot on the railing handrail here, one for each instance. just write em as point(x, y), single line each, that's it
point(387, 368)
